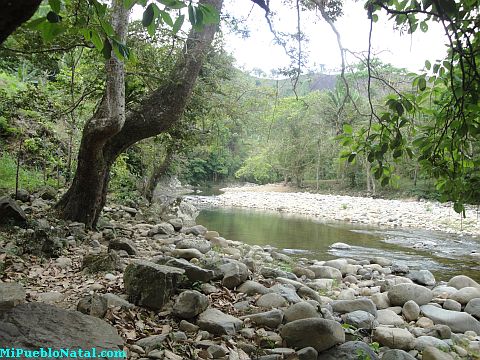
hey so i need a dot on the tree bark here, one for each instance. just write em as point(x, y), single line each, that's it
point(106, 136)
point(14, 13)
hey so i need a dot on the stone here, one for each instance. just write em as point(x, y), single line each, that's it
point(270, 319)
point(411, 310)
point(465, 294)
point(209, 235)
point(300, 310)
point(187, 254)
point(47, 193)
point(394, 338)
point(163, 228)
point(326, 272)
point(351, 350)
point(271, 300)
point(268, 272)
point(423, 342)
point(340, 246)
point(123, 244)
point(288, 291)
point(424, 322)
point(250, 288)
point(11, 295)
point(396, 354)
point(149, 284)
point(189, 304)
point(234, 274)
point(457, 321)
point(432, 353)
point(381, 300)
point(177, 223)
point(443, 291)
point(422, 277)
point(22, 195)
point(473, 308)
point(461, 281)
point(50, 297)
point(63, 262)
point(346, 294)
point(186, 326)
point(388, 317)
point(94, 305)
point(320, 334)
point(216, 322)
point(307, 353)
point(302, 271)
point(195, 230)
point(453, 305)
point(383, 262)
point(216, 351)
point(193, 272)
point(401, 293)
point(116, 301)
point(152, 342)
point(360, 319)
point(201, 245)
point(36, 325)
point(10, 211)
point(399, 269)
point(93, 263)
point(346, 306)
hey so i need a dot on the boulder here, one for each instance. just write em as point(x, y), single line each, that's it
point(360, 319)
point(422, 277)
point(93, 263)
point(150, 285)
point(465, 294)
point(47, 193)
point(432, 353)
point(461, 281)
point(300, 310)
point(123, 244)
point(351, 350)
point(193, 272)
point(216, 322)
point(251, 287)
point(270, 319)
point(201, 245)
point(388, 317)
point(396, 354)
point(411, 310)
point(234, 274)
point(36, 325)
point(346, 306)
point(11, 295)
point(423, 342)
point(187, 254)
point(10, 211)
point(326, 272)
point(457, 321)
point(394, 338)
point(189, 304)
point(320, 334)
point(163, 228)
point(271, 300)
point(94, 305)
point(473, 308)
point(401, 293)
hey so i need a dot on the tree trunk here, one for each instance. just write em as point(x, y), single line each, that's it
point(106, 136)
point(158, 172)
point(14, 14)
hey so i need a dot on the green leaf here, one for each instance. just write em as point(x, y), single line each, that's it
point(423, 26)
point(351, 157)
point(422, 84)
point(53, 17)
point(178, 23)
point(173, 4)
point(397, 153)
point(428, 64)
point(55, 5)
point(35, 23)
point(96, 39)
point(347, 129)
point(210, 14)
point(107, 49)
point(385, 181)
point(399, 108)
point(458, 207)
point(128, 4)
point(167, 18)
point(148, 15)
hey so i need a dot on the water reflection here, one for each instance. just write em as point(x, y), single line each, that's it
point(444, 254)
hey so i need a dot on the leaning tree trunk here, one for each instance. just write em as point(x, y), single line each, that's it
point(99, 149)
point(158, 172)
point(14, 14)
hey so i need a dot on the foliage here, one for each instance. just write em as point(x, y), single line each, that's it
point(29, 179)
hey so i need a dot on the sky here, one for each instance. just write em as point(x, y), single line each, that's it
point(258, 51)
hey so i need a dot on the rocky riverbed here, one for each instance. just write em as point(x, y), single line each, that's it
point(428, 215)
point(159, 289)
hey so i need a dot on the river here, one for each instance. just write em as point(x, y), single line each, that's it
point(445, 255)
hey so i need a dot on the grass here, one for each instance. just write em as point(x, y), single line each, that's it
point(28, 179)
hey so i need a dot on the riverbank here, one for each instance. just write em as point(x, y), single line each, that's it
point(428, 215)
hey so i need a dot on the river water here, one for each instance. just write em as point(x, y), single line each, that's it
point(445, 255)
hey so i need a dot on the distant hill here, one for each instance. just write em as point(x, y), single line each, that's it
point(306, 84)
